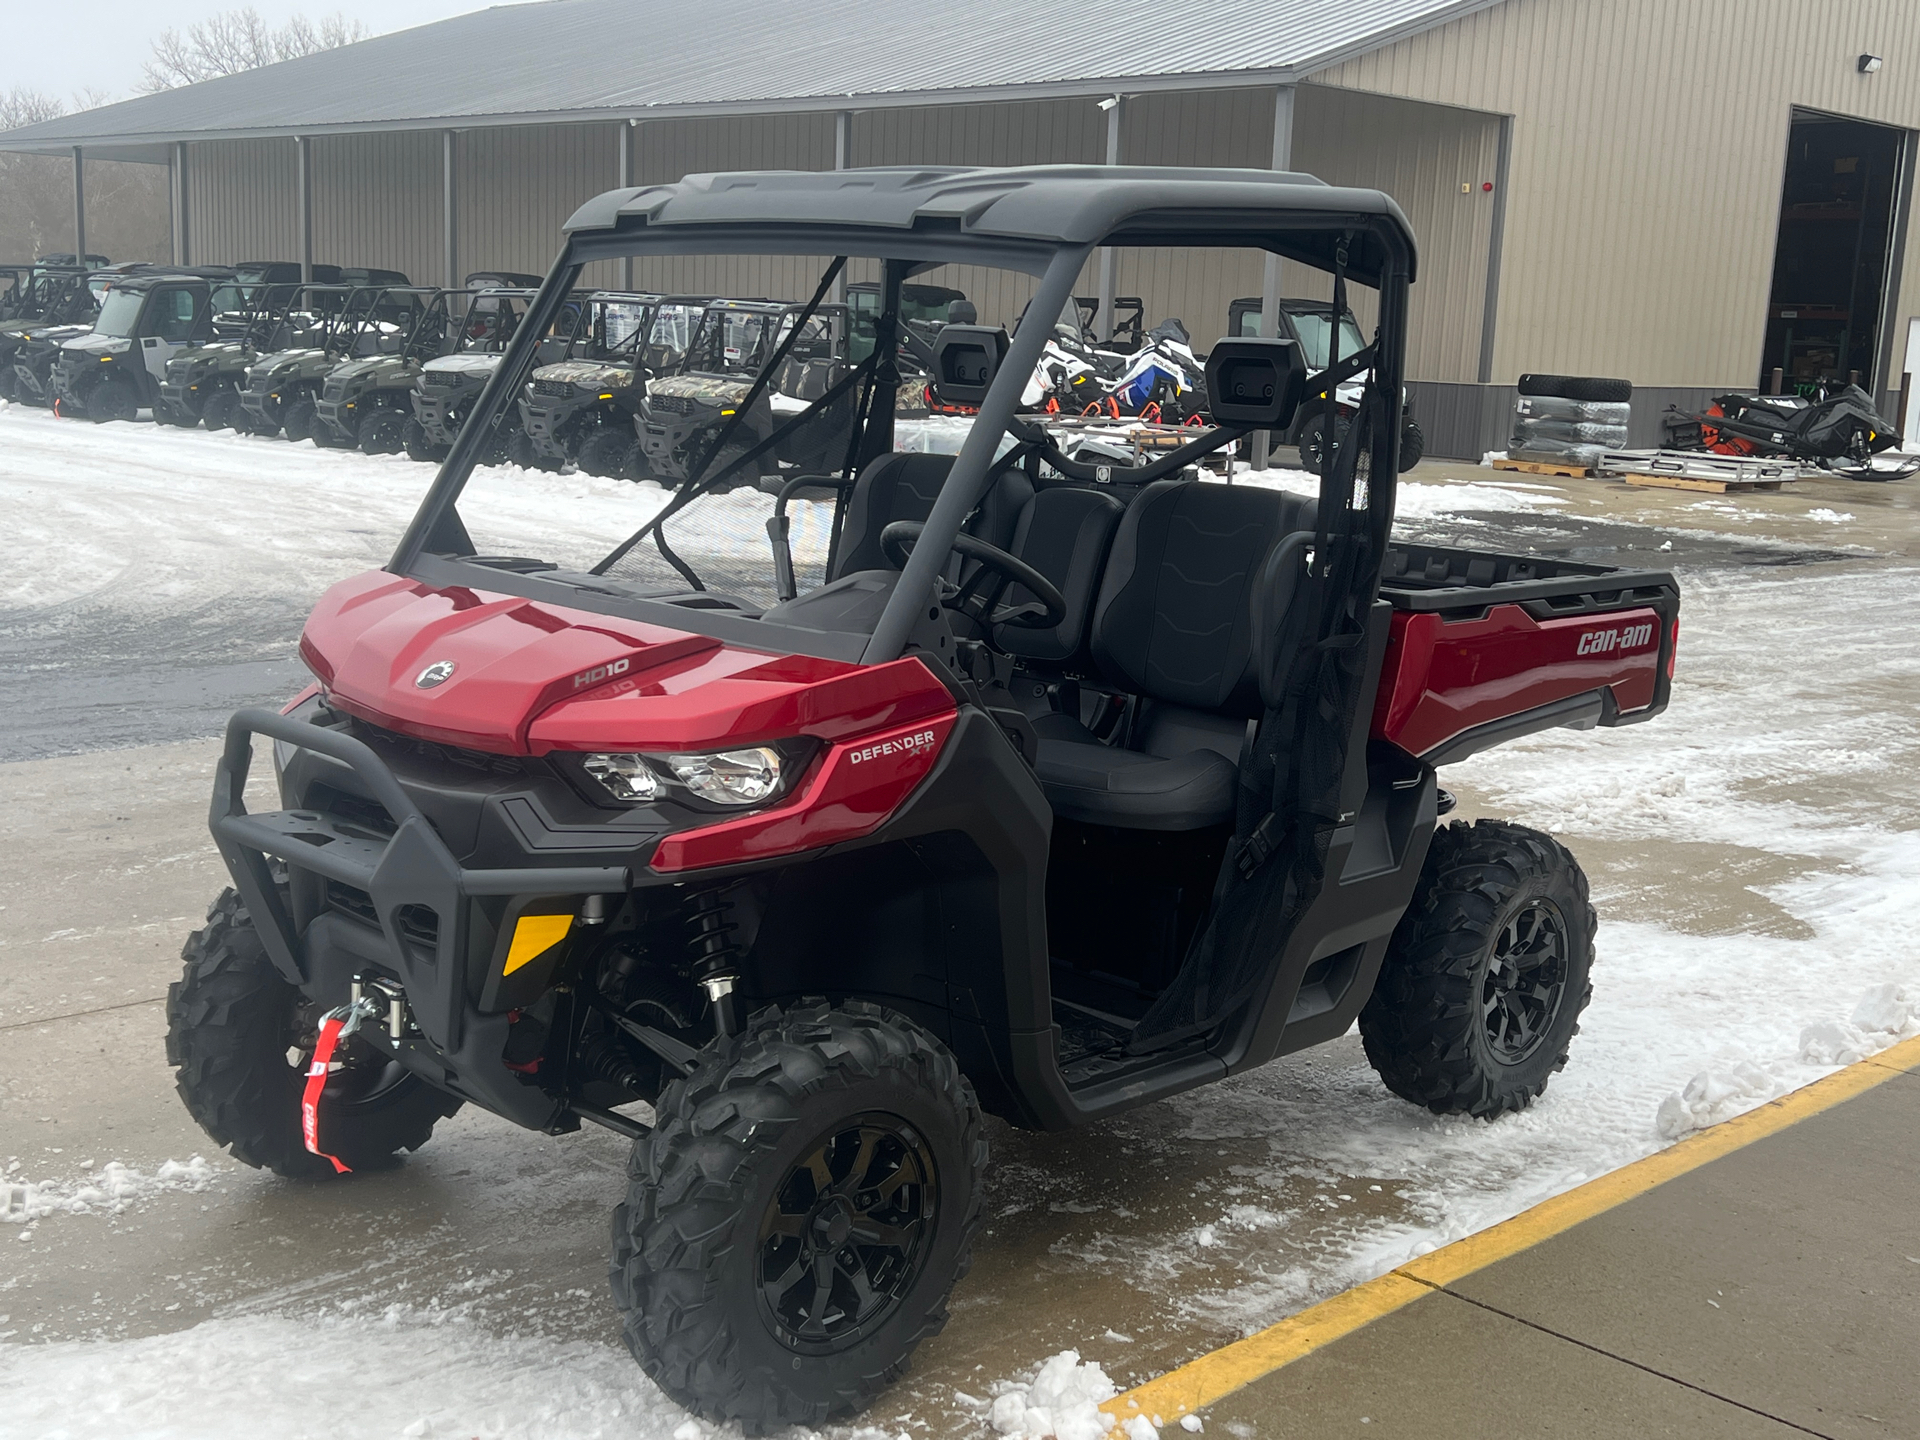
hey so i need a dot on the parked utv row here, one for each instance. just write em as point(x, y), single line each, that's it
point(628, 385)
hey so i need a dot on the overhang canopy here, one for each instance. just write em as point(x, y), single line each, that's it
point(562, 60)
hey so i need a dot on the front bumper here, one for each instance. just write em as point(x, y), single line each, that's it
point(426, 908)
point(442, 412)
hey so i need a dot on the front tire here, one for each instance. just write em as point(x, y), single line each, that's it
point(1319, 434)
point(112, 399)
point(1413, 445)
point(610, 452)
point(299, 421)
point(797, 1218)
point(1485, 978)
point(240, 1038)
point(218, 411)
point(413, 436)
point(383, 433)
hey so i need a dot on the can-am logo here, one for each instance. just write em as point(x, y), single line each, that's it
point(905, 745)
point(437, 673)
point(602, 672)
point(1605, 642)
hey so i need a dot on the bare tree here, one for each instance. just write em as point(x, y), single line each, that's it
point(127, 214)
point(237, 40)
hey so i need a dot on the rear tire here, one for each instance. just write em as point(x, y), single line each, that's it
point(1485, 978)
point(232, 1019)
point(1577, 387)
point(1316, 441)
point(1413, 445)
point(728, 1226)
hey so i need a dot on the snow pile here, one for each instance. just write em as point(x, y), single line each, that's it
point(1828, 517)
point(1886, 1014)
point(1713, 1096)
point(112, 1188)
point(320, 1377)
point(1061, 1402)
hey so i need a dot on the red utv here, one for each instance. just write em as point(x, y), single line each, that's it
point(1064, 789)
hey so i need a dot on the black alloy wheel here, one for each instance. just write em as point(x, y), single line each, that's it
point(1525, 981)
point(846, 1234)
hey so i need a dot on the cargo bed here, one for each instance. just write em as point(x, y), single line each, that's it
point(1485, 648)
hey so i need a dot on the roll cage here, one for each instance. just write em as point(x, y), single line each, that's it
point(1044, 221)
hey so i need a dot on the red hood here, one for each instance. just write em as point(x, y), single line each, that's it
point(593, 682)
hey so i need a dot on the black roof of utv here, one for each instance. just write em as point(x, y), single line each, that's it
point(1001, 209)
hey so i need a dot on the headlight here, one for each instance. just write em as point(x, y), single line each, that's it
point(117, 347)
point(731, 777)
point(626, 777)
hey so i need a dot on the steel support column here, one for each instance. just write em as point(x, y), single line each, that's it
point(1282, 159)
point(625, 182)
point(1105, 319)
point(842, 152)
point(79, 207)
point(1496, 239)
point(450, 210)
point(303, 199)
point(181, 235)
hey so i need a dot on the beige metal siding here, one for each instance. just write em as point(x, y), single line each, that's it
point(1421, 155)
point(376, 202)
point(1649, 147)
point(516, 187)
point(242, 201)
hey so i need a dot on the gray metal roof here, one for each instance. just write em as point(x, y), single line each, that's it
point(574, 59)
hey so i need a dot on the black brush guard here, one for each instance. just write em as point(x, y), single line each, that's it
point(410, 870)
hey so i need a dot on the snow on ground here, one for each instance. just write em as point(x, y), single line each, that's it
point(1792, 746)
point(108, 1190)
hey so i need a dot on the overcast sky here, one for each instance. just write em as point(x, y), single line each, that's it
point(103, 45)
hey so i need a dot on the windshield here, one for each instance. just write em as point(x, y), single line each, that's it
point(1314, 330)
point(119, 313)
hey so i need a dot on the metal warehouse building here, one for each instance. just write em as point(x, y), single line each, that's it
point(1691, 194)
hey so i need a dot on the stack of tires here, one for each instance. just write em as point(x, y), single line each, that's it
point(1569, 419)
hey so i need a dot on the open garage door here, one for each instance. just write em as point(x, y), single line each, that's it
point(1827, 309)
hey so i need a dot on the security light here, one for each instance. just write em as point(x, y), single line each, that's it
point(1113, 100)
point(1869, 64)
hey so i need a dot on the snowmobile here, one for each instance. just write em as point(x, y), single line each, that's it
point(115, 370)
point(256, 314)
point(1054, 797)
point(581, 407)
point(720, 406)
point(1839, 431)
point(448, 383)
point(282, 389)
point(1321, 424)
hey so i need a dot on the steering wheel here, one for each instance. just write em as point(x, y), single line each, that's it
point(896, 543)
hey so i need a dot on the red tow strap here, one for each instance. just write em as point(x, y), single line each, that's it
point(345, 1020)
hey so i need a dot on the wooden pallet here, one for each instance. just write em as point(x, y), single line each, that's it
point(1694, 482)
point(1536, 467)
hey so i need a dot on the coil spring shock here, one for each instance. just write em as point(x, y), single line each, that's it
point(715, 956)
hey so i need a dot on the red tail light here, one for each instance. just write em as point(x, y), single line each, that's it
point(1673, 646)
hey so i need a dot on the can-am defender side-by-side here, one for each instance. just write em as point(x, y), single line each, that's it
point(722, 404)
point(115, 370)
point(281, 393)
point(582, 408)
point(1065, 788)
point(1322, 420)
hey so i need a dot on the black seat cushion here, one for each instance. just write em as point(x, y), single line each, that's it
point(1103, 785)
point(903, 485)
point(1064, 532)
point(1174, 615)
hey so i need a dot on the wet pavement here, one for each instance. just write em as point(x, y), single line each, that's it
point(1141, 1241)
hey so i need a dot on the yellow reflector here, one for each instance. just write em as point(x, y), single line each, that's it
point(606, 397)
point(726, 412)
point(533, 937)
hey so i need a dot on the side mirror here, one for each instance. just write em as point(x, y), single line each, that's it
point(1258, 383)
point(965, 360)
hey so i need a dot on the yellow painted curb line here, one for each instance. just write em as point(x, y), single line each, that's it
point(1219, 1373)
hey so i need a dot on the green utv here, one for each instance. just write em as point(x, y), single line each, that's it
point(51, 303)
point(583, 408)
point(720, 402)
point(447, 384)
point(282, 389)
point(364, 401)
point(258, 313)
point(114, 371)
